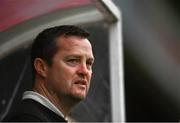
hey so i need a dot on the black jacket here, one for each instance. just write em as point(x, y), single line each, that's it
point(32, 111)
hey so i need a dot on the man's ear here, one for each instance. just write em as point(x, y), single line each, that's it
point(40, 67)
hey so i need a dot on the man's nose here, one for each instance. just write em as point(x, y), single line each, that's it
point(83, 70)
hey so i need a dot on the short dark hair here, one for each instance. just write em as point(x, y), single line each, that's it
point(44, 45)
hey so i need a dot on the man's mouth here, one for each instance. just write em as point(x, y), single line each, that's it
point(81, 83)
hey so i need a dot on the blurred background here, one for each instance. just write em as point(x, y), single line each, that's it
point(151, 56)
point(151, 35)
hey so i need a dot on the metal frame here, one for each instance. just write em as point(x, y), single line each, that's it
point(103, 10)
point(113, 17)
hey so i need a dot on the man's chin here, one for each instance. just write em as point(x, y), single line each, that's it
point(79, 96)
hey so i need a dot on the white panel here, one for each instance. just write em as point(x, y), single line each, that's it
point(18, 38)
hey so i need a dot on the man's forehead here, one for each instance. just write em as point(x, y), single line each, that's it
point(73, 42)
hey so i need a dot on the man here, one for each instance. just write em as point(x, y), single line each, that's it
point(62, 60)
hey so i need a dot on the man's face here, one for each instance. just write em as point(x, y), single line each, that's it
point(71, 69)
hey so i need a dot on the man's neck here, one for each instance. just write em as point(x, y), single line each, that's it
point(53, 98)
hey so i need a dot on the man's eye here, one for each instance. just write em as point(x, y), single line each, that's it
point(72, 61)
point(89, 64)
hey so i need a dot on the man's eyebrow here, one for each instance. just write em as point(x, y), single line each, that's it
point(79, 56)
point(74, 55)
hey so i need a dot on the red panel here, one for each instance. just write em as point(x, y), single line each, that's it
point(13, 12)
